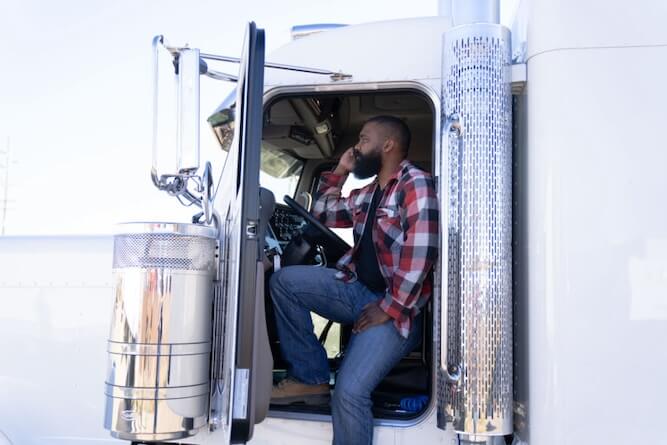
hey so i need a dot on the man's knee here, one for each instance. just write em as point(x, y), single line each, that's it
point(282, 280)
point(349, 391)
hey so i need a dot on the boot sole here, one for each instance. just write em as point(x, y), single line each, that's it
point(315, 399)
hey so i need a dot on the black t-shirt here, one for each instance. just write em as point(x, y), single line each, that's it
point(368, 269)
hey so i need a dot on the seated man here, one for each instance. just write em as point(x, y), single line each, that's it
point(380, 286)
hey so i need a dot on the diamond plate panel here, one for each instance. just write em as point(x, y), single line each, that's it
point(476, 86)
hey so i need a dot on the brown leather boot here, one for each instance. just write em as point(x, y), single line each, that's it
point(290, 390)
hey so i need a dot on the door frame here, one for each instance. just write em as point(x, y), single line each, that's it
point(424, 88)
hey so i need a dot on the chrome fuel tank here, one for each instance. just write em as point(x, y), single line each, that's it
point(157, 384)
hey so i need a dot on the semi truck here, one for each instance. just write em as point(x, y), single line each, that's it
point(549, 309)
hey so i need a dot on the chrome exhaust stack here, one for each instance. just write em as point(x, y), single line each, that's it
point(158, 380)
point(475, 389)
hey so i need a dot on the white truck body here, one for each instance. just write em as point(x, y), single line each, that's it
point(590, 240)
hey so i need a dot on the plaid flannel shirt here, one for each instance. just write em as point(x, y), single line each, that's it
point(405, 235)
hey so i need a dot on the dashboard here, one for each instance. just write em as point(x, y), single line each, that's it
point(284, 222)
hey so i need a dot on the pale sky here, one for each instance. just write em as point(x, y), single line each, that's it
point(76, 98)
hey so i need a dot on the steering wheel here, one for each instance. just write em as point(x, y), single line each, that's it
point(336, 242)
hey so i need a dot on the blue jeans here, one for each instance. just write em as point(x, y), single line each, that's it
point(370, 355)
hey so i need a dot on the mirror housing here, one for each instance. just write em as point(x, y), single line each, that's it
point(187, 120)
point(175, 113)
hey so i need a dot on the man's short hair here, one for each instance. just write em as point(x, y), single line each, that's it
point(399, 130)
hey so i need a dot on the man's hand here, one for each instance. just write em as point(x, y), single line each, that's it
point(346, 163)
point(370, 316)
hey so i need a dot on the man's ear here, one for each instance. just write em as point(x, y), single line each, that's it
point(389, 145)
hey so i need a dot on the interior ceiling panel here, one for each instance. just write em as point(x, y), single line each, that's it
point(282, 113)
point(400, 104)
point(285, 130)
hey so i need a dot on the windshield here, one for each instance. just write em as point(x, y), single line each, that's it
point(280, 173)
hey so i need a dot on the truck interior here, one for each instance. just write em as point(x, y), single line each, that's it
point(303, 136)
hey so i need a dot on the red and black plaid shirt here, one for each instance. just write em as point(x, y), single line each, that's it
point(405, 235)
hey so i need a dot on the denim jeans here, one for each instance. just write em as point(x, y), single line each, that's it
point(369, 356)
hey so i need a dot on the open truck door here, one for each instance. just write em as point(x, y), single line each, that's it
point(242, 378)
point(188, 348)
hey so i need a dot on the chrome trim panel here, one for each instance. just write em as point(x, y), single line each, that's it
point(279, 66)
point(478, 314)
point(160, 307)
point(151, 349)
point(350, 87)
point(157, 371)
point(137, 228)
point(450, 373)
point(220, 394)
point(182, 392)
point(130, 419)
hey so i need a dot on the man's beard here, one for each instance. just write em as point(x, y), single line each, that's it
point(368, 165)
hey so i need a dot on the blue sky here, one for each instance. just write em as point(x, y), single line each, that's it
point(75, 97)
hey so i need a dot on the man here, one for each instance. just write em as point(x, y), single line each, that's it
point(380, 287)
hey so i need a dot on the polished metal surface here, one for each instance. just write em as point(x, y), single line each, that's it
point(155, 45)
point(466, 12)
point(451, 373)
point(207, 193)
point(172, 228)
point(219, 75)
point(279, 66)
point(478, 310)
point(481, 440)
point(155, 419)
point(301, 31)
point(178, 140)
point(157, 385)
point(187, 125)
point(219, 404)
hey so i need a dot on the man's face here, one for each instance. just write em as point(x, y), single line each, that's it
point(368, 152)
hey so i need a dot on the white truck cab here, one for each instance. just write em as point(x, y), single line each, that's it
point(548, 311)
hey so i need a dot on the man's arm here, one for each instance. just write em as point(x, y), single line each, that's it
point(330, 208)
point(419, 251)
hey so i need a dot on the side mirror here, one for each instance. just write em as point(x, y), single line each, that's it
point(176, 74)
point(188, 111)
